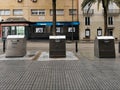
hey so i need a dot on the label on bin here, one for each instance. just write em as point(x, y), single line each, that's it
point(14, 41)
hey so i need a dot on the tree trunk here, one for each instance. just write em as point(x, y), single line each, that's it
point(105, 24)
point(105, 7)
point(54, 17)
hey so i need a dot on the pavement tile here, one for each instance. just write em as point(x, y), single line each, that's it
point(87, 73)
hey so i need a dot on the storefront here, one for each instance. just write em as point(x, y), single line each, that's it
point(39, 30)
point(14, 27)
point(42, 30)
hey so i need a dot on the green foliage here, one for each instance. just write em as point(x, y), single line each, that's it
point(117, 3)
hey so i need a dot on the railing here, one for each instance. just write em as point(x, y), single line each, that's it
point(113, 12)
point(88, 12)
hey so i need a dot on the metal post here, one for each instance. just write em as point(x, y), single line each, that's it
point(4, 45)
point(76, 44)
point(72, 19)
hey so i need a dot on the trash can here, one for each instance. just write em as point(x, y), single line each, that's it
point(57, 46)
point(104, 47)
point(15, 46)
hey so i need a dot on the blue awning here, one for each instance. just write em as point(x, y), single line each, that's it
point(57, 23)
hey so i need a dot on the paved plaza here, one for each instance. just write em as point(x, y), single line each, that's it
point(85, 73)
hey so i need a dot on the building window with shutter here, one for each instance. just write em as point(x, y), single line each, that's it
point(87, 20)
point(59, 12)
point(17, 12)
point(110, 20)
point(37, 12)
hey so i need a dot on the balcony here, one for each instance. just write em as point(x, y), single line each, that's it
point(88, 13)
point(114, 12)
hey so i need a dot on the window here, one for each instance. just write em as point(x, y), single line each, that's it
point(18, 12)
point(99, 32)
point(87, 20)
point(58, 12)
point(87, 33)
point(13, 30)
point(110, 20)
point(72, 11)
point(39, 30)
point(5, 31)
point(40, 12)
point(110, 32)
point(20, 30)
point(5, 12)
point(71, 29)
point(58, 29)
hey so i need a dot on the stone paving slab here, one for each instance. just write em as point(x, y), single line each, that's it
point(2, 57)
point(87, 73)
point(60, 75)
point(45, 56)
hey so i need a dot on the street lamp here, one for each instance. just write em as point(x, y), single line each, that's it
point(72, 19)
point(76, 43)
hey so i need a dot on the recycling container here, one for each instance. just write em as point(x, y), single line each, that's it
point(57, 46)
point(15, 46)
point(104, 47)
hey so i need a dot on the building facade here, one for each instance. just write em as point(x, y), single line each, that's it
point(33, 18)
point(92, 22)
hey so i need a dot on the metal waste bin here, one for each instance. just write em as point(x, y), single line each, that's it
point(57, 46)
point(104, 47)
point(15, 46)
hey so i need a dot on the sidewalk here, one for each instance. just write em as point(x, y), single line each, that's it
point(87, 73)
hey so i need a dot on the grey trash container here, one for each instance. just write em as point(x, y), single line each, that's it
point(104, 47)
point(15, 46)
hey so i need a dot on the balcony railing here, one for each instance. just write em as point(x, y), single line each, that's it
point(113, 12)
point(88, 13)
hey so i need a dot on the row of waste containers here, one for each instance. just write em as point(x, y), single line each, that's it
point(104, 46)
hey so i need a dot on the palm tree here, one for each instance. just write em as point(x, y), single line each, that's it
point(105, 4)
point(117, 3)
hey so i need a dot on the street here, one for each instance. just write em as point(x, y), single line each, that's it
point(86, 73)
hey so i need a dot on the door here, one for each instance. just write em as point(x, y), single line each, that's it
point(110, 32)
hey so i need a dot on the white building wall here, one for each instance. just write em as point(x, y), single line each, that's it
point(97, 21)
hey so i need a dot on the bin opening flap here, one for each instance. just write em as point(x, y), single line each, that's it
point(105, 37)
point(15, 36)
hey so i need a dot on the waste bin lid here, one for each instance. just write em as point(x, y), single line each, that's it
point(105, 37)
point(15, 36)
point(57, 37)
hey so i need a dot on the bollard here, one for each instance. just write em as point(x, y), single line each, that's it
point(119, 47)
point(4, 44)
point(76, 44)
